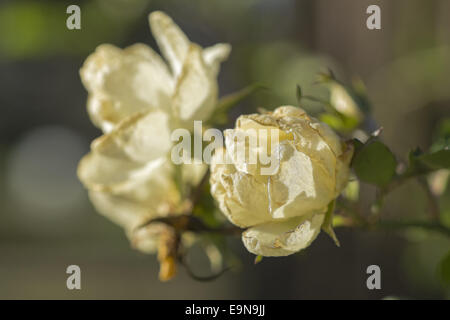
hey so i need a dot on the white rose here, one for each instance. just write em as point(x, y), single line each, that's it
point(284, 210)
point(137, 100)
point(127, 173)
point(122, 82)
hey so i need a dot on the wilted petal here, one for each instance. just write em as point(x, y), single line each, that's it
point(215, 55)
point(171, 40)
point(120, 210)
point(284, 209)
point(254, 145)
point(102, 113)
point(103, 173)
point(146, 239)
point(312, 133)
point(122, 82)
point(241, 198)
point(283, 238)
point(130, 215)
point(109, 174)
point(193, 173)
point(305, 133)
point(328, 135)
point(291, 112)
point(196, 93)
point(143, 137)
point(301, 186)
point(303, 166)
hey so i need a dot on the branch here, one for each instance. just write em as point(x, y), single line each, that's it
point(189, 222)
point(425, 225)
point(355, 219)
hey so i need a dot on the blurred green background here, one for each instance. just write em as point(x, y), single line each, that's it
point(47, 222)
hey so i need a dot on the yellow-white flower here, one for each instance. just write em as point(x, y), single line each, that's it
point(137, 99)
point(283, 210)
point(122, 82)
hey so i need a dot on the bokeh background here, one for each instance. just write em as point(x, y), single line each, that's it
point(47, 222)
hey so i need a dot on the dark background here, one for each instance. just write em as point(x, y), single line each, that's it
point(47, 222)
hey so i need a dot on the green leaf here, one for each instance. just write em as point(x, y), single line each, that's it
point(327, 225)
point(357, 145)
point(326, 76)
point(258, 259)
point(438, 156)
point(441, 136)
point(436, 160)
point(375, 164)
point(441, 144)
point(424, 163)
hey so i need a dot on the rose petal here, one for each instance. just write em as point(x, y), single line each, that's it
point(146, 239)
point(301, 186)
point(193, 173)
point(143, 137)
point(251, 148)
point(241, 198)
point(328, 135)
point(102, 173)
point(283, 238)
point(130, 215)
point(122, 82)
point(171, 40)
point(215, 55)
point(196, 93)
point(120, 210)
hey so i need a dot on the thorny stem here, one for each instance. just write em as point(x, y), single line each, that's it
point(356, 219)
point(174, 249)
point(189, 222)
point(433, 206)
point(182, 260)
